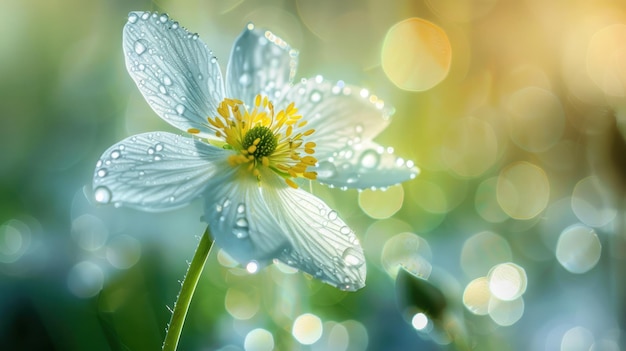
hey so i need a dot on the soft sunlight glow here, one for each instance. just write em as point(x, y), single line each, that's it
point(506, 313)
point(242, 304)
point(416, 54)
point(123, 251)
point(307, 329)
point(470, 147)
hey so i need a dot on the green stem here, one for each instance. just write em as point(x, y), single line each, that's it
point(186, 292)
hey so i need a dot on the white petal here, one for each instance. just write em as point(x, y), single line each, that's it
point(339, 114)
point(174, 70)
point(239, 219)
point(364, 165)
point(155, 171)
point(321, 243)
point(260, 62)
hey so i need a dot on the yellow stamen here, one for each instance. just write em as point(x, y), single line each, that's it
point(193, 131)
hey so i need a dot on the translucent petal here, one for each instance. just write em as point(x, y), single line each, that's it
point(321, 243)
point(239, 219)
point(260, 62)
point(174, 70)
point(364, 165)
point(155, 171)
point(340, 114)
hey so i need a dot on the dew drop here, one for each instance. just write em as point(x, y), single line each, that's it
point(99, 163)
point(180, 109)
point(102, 172)
point(226, 203)
point(167, 80)
point(352, 258)
point(140, 46)
point(163, 18)
point(158, 147)
point(316, 96)
point(145, 16)
point(102, 195)
point(242, 222)
point(132, 18)
point(195, 37)
point(240, 233)
point(162, 89)
point(369, 159)
point(175, 25)
point(245, 80)
point(345, 230)
point(150, 151)
point(241, 208)
point(200, 77)
point(157, 158)
point(332, 215)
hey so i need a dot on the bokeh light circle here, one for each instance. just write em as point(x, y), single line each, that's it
point(123, 251)
point(506, 313)
point(606, 59)
point(476, 296)
point(523, 190)
point(242, 304)
point(578, 249)
point(486, 202)
point(577, 339)
point(407, 250)
point(482, 251)
point(536, 119)
point(590, 203)
point(381, 204)
point(470, 147)
point(416, 54)
point(307, 329)
point(461, 10)
point(85, 279)
point(507, 281)
point(258, 340)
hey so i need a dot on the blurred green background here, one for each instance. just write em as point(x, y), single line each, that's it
point(517, 217)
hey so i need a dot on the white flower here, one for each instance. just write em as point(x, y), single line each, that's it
point(255, 138)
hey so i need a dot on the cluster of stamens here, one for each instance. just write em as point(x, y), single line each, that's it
point(264, 138)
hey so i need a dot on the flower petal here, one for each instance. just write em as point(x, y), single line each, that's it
point(340, 114)
point(174, 70)
point(321, 243)
point(260, 62)
point(365, 165)
point(155, 171)
point(239, 219)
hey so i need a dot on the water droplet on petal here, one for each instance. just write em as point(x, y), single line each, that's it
point(245, 80)
point(145, 16)
point(162, 89)
point(316, 96)
point(102, 172)
point(352, 258)
point(163, 18)
point(158, 147)
point(132, 18)
point(102, 195)
point(180, 109)
point(99, 163)
point(332, 215)
point(369, 159)
point(140, 46)
point(241, 208)
point(345, 230)
point(226, 203)
point(242, 222)
point(150, 151)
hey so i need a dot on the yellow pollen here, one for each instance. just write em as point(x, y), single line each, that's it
point(262, 138)
point(193, 131)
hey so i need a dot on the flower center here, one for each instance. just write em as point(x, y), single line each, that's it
point(260, 142)
point(263, 138)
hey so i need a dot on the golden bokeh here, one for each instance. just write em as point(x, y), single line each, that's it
point(416, 54)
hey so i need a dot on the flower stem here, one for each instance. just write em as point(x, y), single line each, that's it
point(186, 292)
